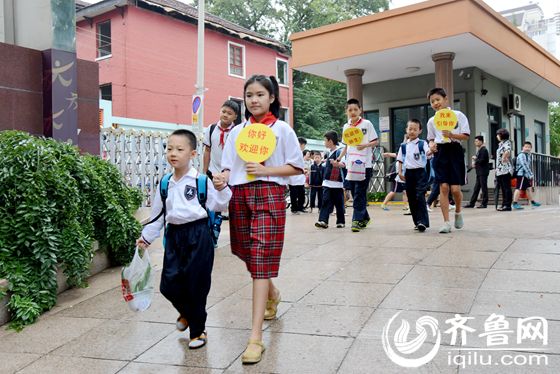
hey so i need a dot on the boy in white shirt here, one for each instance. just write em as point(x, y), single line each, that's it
point(189, 249)
point(411, 166)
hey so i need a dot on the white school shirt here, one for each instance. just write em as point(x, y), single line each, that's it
point(216, 149)
point(287, 152)
point(369, 135)
point(334, 184)
point(414, 159)
point(463, 128)
point(182, 204)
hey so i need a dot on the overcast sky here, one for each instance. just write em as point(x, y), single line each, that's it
point(549, 7)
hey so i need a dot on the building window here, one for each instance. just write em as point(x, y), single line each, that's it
point(106, 92)
point(104, 39)
point(518, 132)
point(494, 123)
point(282, 72)
point(539, 136)
point(373, 117)
point(400, 117)
point(236, 53)
point(284, 115)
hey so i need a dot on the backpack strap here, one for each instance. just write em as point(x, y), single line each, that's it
point(403, 150)
point(202, 189)
point(163, 192)
point(212, 129)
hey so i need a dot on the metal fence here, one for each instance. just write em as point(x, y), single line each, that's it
point(139, 155)
point(377, 182)
point(547, 170)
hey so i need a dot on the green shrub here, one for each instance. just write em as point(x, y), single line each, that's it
point(53, 204)
point(376, 196)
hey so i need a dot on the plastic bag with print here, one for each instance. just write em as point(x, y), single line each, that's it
point(137, 280)
point(356, 165)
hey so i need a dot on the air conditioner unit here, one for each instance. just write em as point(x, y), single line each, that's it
point(514, 103)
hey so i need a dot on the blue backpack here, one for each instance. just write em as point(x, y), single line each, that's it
point(214, 219)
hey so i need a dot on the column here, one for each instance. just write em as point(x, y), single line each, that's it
point(444, 73)
point(354, 84)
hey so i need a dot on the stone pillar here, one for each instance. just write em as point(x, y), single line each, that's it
point(444, 73)
point(354, 84)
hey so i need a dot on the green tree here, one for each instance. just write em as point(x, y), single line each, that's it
point(554, 120)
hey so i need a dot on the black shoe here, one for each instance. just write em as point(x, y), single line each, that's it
point(504, 209)
point(469, 206)
point(481, 207)
point(225, 218)
point(421, 227)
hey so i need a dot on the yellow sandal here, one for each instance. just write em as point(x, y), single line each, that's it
point(271, 308)
point(252, 356)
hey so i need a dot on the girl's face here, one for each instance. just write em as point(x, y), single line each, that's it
point(258, 99)
point(179, 152)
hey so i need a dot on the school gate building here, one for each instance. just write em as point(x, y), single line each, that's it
point(492, 72)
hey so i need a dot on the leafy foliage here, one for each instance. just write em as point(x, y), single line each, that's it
point(318, 102)
point(554, 120)
point(53, 204)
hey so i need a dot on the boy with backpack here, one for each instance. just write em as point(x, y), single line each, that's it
point(184, 207)
point(524, 176)
point(411, 161)
point(316, 181)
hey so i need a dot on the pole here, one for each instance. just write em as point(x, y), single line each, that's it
point(199, 126)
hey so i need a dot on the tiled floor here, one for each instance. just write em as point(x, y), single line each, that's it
point(339, 291)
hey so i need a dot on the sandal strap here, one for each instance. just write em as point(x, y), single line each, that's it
point(256, 342)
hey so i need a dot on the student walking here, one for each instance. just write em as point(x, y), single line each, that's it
point(481, 164)
point(189, 249)
point(257, 207)
point(411, 161)
point(449, 163)
point(524, 176)
point(316, 181)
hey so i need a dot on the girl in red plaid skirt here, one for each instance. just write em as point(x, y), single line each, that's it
point(257, 208)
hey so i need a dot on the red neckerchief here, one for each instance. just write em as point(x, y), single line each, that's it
point(357, 122)
point(222, 134)
point(269, 119)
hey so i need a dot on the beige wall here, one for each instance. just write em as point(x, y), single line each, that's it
point(33, 24)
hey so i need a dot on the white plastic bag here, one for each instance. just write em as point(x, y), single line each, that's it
point(137, 281)
point(356, 165)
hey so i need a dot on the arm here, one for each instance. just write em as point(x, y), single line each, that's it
point(151, 232)
point(218, 199)
point(450, 135)
point(206, 159)
point(389, 154)
point(343, 153)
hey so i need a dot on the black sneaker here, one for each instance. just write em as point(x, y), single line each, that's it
point(356, 226)
point(421, 227)
point(363, 224)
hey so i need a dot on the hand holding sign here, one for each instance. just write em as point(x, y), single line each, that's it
point(255, 144)
point(352, 136)
point(445, 120)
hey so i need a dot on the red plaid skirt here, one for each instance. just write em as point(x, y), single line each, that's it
point(257, 217)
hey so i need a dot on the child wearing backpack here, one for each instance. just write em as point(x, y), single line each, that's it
point(189, 247)
point(411, 164)
point(258, 209)
point(524, 176)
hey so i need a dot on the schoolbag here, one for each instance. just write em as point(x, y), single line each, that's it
point(214, 218)
point(420, 149)
point(212, 128)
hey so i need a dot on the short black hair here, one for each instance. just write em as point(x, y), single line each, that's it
point(306, 151)
point(437, 91)
point(271, 85)
point(332, 135)
point(302, 140)
point(503, 134)
point(353, 101)
point(191, 138)
point(233, 106)
point(529, 143)
point(417, 121)
point(479, 137)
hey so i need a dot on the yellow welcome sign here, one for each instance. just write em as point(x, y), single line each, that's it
point(352, 136)
point(255, 143)
point(445, 119)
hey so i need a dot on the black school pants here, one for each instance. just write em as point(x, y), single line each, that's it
point(187, 269)
point(416, 187)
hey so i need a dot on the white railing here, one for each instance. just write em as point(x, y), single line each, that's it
point(139, 155)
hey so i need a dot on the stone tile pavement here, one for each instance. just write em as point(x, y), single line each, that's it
point(339, 290)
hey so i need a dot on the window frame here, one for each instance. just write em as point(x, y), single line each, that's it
point(97, 40)
point(287, 120)
point(244, 65)
point(287, 84)
point(101, 86)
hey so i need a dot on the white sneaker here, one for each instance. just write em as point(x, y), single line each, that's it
point(459, 221)
point(446, 228)
point(340, 225)
point(428, 207)
point(451, 207)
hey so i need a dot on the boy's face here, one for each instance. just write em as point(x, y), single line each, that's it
point(353, 112)
point(527, 148)
point(477, 142)
point(412, 130)
point(317, 158)
point(227, 115)
point(328, 143)
point(179, 152)
point(438, 102)
point(302, 146)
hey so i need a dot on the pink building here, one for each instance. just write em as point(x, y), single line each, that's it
point(147, 51)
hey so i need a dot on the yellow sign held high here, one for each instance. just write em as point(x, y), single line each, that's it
point(352, 136)
point(445, 119)
point(255, 143)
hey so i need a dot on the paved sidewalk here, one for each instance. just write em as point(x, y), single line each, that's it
point(339, 290)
